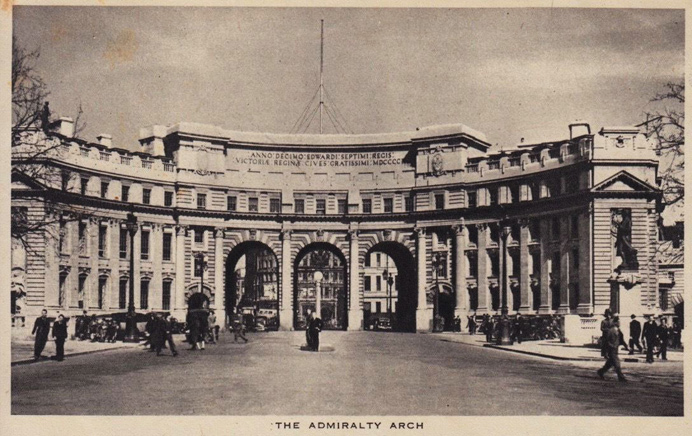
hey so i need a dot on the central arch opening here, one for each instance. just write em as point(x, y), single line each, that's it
point(252, 283)
point(389, 288)
point(320, 285)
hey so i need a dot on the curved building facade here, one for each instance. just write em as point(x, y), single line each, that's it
point(566, 227)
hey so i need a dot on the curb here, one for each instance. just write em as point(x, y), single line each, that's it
point(546, 356)
point(79, 353)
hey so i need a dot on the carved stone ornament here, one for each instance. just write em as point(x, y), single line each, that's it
point(387, 235)
point(253, 234)
point(437, 164)
point(352, 235)
point(320, 235)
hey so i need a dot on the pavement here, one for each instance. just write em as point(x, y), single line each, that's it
point(23, 349)
point(355, 373)
point(554, 349)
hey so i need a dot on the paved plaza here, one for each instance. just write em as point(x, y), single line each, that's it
point(366, 373)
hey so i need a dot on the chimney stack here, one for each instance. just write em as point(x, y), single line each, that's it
point(105, 139)
point(66, 127)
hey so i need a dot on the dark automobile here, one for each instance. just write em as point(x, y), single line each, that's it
point(380, 323)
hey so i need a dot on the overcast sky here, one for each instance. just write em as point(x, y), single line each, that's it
point(509, 73)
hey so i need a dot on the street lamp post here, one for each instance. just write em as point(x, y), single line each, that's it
point(437, 266)
point(504, 338)
point(202, 267)
point(131, 333)
point(389, 281)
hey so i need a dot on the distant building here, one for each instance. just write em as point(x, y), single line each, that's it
point(671, 271)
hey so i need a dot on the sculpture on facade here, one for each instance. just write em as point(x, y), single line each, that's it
point(622, 231)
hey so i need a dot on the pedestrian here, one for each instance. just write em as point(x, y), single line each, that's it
point(238, 327)
point(457, 324)
point(193, 335)
point(60, 336)
point(517, 331)
point(157, 332)
point(650, 333)
point(489, 328)
point(314, 328)
point(169, 335)
point(148, 328)
point(635, 333)
point(612, 344)
point(41, 330)
point(677, 334)
point(213, 327)
point(605, 328)
point(471, 325)
point(663, 335)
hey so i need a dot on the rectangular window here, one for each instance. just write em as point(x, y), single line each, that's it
point(367, 205)
point(64, 180)
point(378, 283)
point(321, 207)
point(167, 239)
point(367, 259)
point(439, 201)
point(514, 193)
point(378, 306)
point(556, 228)
point(367, 284)
point(145, 245)
point(61, 289)
point(473, 264)
point(379, 259)
point(555, 264)
point(300, 205)
point(575, 258)
point(201, 201)
point(103, 282)
point(166, 295)
point(61, 237)
point(122, 294)
point(103, 232)
point(232, 203)
point(168, 198)
point(471, 198)
point(125, 193)
point(515, 264)
point(144, 294)
point(82, 237)
point(274, 205)
point(104, 189)
point(253, 204)
point(123, 243)
point(492, 196)
point(146, 196)
point(83, 186)
point(494, 233)
point(408, 204)
point(473, 235)
point(80, 291)
point(388, 205)
point(535, 230)
point(199, 237)
point(574, 219)
point(494, 263)
point(341, 205)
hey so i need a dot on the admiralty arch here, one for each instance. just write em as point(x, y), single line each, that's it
point(565, 227)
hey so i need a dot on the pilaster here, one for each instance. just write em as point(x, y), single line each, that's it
point(462, 295)
point(483, 290)
point(355, 314)
point(525, 303)
point(423, 313)
point(285, 311)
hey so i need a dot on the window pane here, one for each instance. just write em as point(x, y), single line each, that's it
point(300, 206)
point(201, 201)
point(145, 244)
point(342, 206)
point(321, 207)
point(146, 196)
point(439, 201)
point(274, 205)
point(389, 205)
point(232, 202)
point(168, 198)
point(167, 238)
point(125, 193)
point(367, 205)
point(253, 204)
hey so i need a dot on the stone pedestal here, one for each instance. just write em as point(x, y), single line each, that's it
point(424, 320)
point(285, 320)
point(575, 331)
point(626, 298)
point(355, 320)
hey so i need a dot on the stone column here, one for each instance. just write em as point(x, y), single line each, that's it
point(483, 297)
point(525, 303)
point(218, 273)
point(156, 256)
point(92, 284)
point(546, 297)
point(565, 244)
point(355, 314)
point(585, 240)
point(137, 253)
point(423, 313)
point(114, 262)
point(462, 295)
point(285, 312)
point(179, 299)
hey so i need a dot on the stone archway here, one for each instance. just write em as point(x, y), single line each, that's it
point(406, 302)
point(320, 284)
point(252, 284)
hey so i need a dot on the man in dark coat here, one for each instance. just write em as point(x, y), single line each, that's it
point(635, 333)
point(157, 332)
point(60, 335)
point(41, 330)
point(663, 335)
point(605, 328)
point(517, 329)
point(313, 332)
point(650, 334)
point(612, 344)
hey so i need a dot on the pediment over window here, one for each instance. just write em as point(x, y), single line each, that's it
point(624, 182)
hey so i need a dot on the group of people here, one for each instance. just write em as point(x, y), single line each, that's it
point(159, 328)
point(654, 337)
point(42, 329)
point(96, 329)
point(520, 328)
